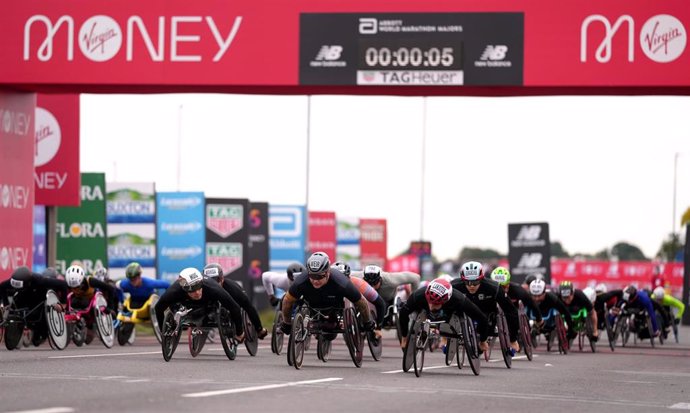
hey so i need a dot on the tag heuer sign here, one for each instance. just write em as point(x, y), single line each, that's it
point(227, 254)
point(224, 220)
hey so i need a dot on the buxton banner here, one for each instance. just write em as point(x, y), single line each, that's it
point(227, 236)
point(81, 231)
point(16, 180)
point(128, 45)
point(56, 158)
point(287, 227)
point(348, 248)
point(529, 250)
point(180, 235)
point(322, 232)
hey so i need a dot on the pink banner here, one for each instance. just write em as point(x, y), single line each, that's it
point(373, 242)
point(56, 156)
point(403, 263)
point(322, 232)
point(16, 180)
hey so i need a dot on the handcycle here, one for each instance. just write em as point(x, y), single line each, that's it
point(49, 311)
point(524, 336)
point(128, 318)
point(500, 331)
point(582, 325)
point(553, 328)
point(324, 324)
point(198, 321)
point(461, 340)
point(79, 320)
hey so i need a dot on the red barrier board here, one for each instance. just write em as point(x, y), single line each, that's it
point(373, 242)
point(322, 232)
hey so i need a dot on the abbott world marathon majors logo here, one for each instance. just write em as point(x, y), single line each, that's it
point(662, 38)
point(48, 137)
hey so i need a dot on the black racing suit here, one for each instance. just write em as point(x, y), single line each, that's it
point(579, 302)
point(517, 293)
point(240, 297)
point(487, 296)
point(457, 304)
point(212, 294)
point(81, 296)
point(551, 301)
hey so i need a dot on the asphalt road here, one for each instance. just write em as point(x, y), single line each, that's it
point(136, 379)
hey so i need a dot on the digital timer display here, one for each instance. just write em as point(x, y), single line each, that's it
point(411, 54)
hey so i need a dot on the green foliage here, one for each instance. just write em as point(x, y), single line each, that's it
point(474, 253)
point(627, 252)
point(558, 251)
point(670, 247)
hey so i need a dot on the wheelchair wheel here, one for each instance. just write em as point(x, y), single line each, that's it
point(420, 348)
point(471, 345)
point(14, 331)
point(297, 341)
point(451, 348)
point(561, 335)
point(104, 321)
point(78, 335)
point(171, 336)
point(410, 348)
point(251, 339)
point(58, 337)
point(323, 348)
point(504, 339)
point(396, 322)
point(277, 336)
point(525, 335)
point(650, 328)
point(487, 354)
point(375, 344)
point(227, 334)
point(624, 330)
point(197, 339)
point(589, 332)
point(154, 320)
point(124, 333)
point(353, 338)
point(610, 332)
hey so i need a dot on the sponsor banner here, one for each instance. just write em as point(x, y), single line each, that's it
point(180, 234)
point(287, 227)
point(82, 230)
point(411, 49)
point(406, 262)
point(131, 203)
point(16, 180)
point(39, 263)
point(373, 242)
point(56, 157)
point(258, 254)
point(227, 236)
point(422, 249)
point(348, 247)
point(529, 250)
point(128, 45)
point(322, 232)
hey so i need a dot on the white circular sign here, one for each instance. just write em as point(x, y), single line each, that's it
point(100, 38)
point(4, 258)
point(663, 38)
point(48, 137)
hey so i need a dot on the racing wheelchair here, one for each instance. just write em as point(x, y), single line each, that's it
point(524, 336)
point(128, 317)
point(500, 331)
point(462, 342)
point(634, 322)
point(553, 329)
point(47, 314)
point(80, 320)
point(324, 324)
point(582, 325)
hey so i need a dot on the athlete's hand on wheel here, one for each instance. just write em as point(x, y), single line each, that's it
point(484, 346)
point(515, 346)
point(403, 343)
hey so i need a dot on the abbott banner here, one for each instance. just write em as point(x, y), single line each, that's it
point(131, 209)
point(227, 236)
point(180, 232)
point(529, 250)
point(287, 226)
point(81, 230)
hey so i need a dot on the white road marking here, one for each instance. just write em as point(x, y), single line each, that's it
point(47, 410)
point(634, 381)
point(425, 368)
point(651, 373)
point(136, 380)
point(514, 358)
point(104, 355)
point(256, 388)
point(680, 406)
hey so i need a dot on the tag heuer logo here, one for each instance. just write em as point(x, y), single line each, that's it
point(227, 255)
point(224, 220)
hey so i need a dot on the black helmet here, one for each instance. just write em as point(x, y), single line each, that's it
point(372, 274)
point(530, 278)
point(343, 267)
point(50, 272)
point(318, 264)
point(629, 293)
point(133, 270)
point(295, 269)
point(213, 270)
point(21, 278)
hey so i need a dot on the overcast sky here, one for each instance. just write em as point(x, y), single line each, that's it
point(599, 170)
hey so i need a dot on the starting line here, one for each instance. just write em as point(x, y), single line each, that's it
point(256, 388)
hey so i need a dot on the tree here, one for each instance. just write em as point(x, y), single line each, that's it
point(558, 251)
point(474, 253)
point(627, 252)
point(670, 247)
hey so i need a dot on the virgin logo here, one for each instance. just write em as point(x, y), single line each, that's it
point(48, 137)
point(663, 38)
point(100, 38)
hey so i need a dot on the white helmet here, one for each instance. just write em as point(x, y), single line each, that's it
point(658, 293)
point(591, 294)
point(74, 276)
point(537, 287)
point(601, 288)
point(472, 271)
point(190, 279)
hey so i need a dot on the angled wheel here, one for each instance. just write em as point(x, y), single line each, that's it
point(154, 320)
point(227, 334)
point(504, 339)
point(420, 344)
point(353, 338)
point(104, 321)
point(471, 345)
point(78, 335)
point(171, 336)
point(124, 333)
point(14, 330)
point(589, 332)
point(251, 339)
point(375, 344)
point(323, 348)
point(610, 331)
point(451, 346)
point(410, 349)
point(196, 339)
point(58, 336)
point(650, 328)
point(487, 354)
point(277, 336)
point(525, 336)
point(297, 340)
point(561, 335)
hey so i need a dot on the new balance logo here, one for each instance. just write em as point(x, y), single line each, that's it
point(530, 260)
point(329, 53)
point(529, 233)
point(494, 52)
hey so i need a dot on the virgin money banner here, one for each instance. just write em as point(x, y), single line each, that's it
point(373, 242)
point(287, 225)
point(166, 43)
point(227, 236)
point(529, 250)
point(56, 158)
point(16, 180)
point(39, 263)
point(131, 214)
point(322, 232)
point(81, 230)
point(348, 248)
point(180, 232)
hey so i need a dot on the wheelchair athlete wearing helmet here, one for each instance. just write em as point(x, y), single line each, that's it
point(576, 300)
point(441, 301)
point(486, 294)
point(83, 289)
point(215, 272)
point(283, 280)
point(548, 301)
point(194, 291)
point(324, 287)
point(139, 288)
point(367, 292)
point(515, 291)
point(386, 283)
point(633, 299)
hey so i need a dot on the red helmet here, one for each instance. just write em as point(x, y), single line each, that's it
point(438, 291)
